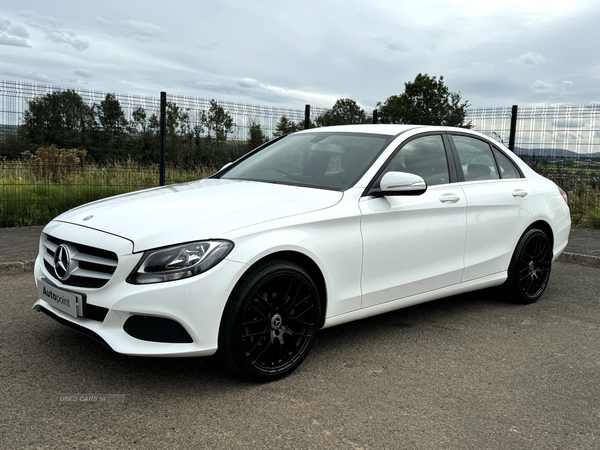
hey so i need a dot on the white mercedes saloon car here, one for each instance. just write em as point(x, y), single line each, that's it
point(311, 230)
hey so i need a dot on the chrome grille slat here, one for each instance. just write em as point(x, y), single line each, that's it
point(90, 274)
point(90, 267)
point(50, 246)
point(48, 258)
point(94, 259)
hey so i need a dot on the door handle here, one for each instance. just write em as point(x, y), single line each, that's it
point(449, 198)
point(520, 193)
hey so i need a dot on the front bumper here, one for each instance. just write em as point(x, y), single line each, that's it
point(195, 303)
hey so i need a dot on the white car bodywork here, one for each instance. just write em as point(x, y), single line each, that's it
point(373, 254)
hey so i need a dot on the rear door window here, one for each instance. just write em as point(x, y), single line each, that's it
point(476, 159)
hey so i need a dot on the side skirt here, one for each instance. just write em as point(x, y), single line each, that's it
point(472, 285)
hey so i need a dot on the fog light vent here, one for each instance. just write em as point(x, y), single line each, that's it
point(156, 329)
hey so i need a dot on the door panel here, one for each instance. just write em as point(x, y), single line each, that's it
point(412, 244)
point(498, 206)
point(496, 218)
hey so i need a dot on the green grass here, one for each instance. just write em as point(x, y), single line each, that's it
point(26, 199)
point(584, 203)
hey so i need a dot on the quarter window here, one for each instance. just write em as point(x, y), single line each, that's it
point(505, 165)
point(476, 159)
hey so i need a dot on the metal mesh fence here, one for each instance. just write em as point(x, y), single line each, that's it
point(561, 142)
point(34, 190)
point(15, 97)
point(557, 133)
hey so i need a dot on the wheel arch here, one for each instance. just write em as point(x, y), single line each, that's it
point(306, 263)
point(545, 227)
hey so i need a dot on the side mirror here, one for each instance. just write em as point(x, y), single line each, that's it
point(401, 183)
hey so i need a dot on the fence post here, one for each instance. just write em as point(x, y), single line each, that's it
point(307, 117)
point(374, 116)
point(513, 128)
point(163, 137)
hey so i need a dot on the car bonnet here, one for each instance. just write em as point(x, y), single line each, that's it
point(197, 210)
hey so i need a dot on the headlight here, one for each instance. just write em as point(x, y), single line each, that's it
point(181, 261)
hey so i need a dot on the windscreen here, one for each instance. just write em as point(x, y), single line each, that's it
point(322, 160)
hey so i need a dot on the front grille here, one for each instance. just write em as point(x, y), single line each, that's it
point(97, 313)
point(90, 267)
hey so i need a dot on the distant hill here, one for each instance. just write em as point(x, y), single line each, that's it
point(561, 153)
point(7, 129)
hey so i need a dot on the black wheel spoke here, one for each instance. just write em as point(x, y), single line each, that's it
point(256, 344)
point(259, 300)
point(532, 269)
point(302, 314)
point(254, 322)
point(278, 321)
point(254, 334)
point(295, 333)
point(302, 323)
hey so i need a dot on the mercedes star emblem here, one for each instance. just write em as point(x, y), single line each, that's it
point(62, 261)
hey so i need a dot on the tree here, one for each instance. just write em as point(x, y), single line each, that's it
point(218, 122)
point(59, 117)
point(344, 112)
point(179, 135)
point(138, 123)
point(256, 137)
point(285, 126)
point(425, 101)
point(143, 142)
point(112, 121)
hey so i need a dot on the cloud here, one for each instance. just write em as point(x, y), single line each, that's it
point(484, 65)
point(530, 59)
point(209, 46)
point(567, 123)
point(34, 76)
point(82, 73)
point(566, 84)
point(554, 87)
point(249, 83)
point(65, 37)
point(13, 35)
point(539, 85)
point(143, 29)
point(131, 28)
point(390, 44)
point(207, 85)
point(54, 33)
point(13, 41)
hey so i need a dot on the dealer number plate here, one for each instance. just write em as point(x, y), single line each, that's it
point(63, 300)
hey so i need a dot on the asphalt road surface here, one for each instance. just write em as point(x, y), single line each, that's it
point(465, 372)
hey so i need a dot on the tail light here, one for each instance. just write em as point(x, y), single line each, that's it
point(563, 194)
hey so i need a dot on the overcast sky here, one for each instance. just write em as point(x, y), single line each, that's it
point(291, 53)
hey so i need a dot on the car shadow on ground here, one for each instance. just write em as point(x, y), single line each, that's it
point(99, 365)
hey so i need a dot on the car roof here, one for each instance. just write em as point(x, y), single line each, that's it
point(392, 129)
point(384, 129)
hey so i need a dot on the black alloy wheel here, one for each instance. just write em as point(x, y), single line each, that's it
point(270, 321)
point(529, 269)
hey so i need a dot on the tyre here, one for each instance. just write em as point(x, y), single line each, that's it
point(529, 269)
point(270, 321)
